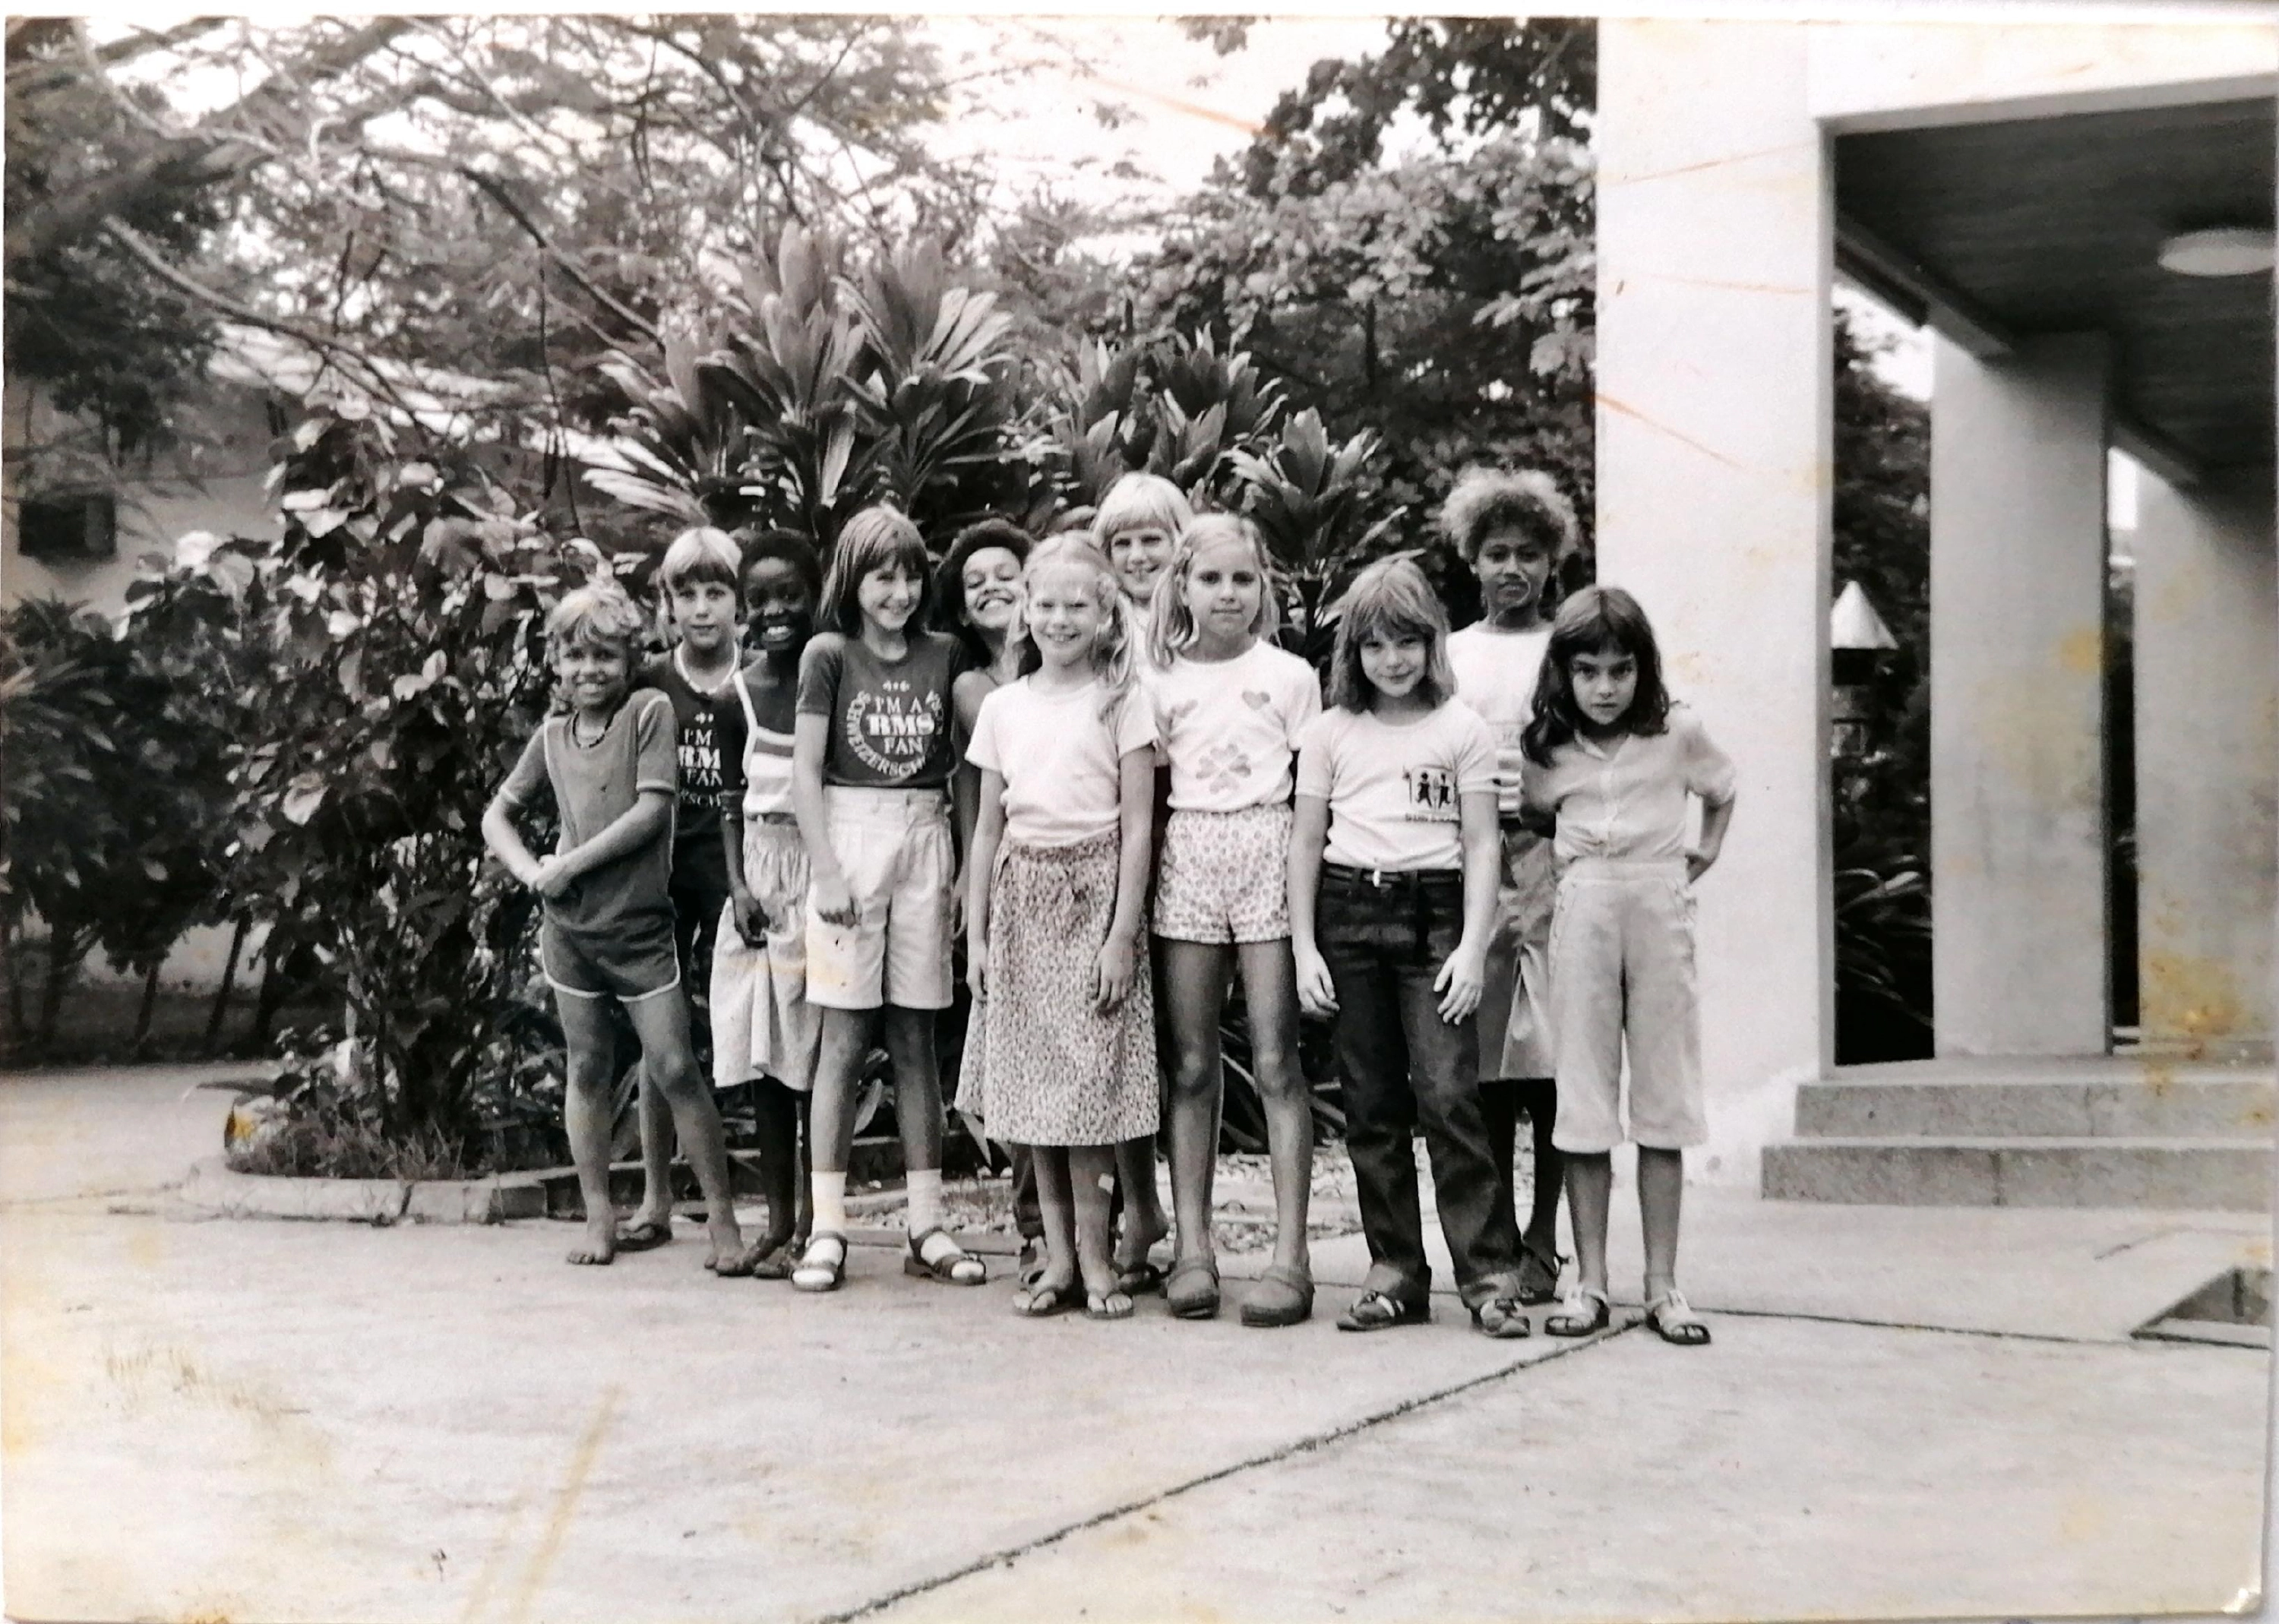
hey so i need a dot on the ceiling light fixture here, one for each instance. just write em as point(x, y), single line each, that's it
point(2227, 251)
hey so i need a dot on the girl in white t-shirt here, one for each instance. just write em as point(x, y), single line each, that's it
point(1515, 528)
point(1393, 895)
point(1063, 1002)
point(1229, 708)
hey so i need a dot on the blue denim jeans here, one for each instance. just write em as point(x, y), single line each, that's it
point(1384, 938)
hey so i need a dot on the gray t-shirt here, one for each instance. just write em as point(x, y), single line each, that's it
point(890, 719)
point(593, 786)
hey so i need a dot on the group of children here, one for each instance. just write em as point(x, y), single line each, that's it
point(1091, 755)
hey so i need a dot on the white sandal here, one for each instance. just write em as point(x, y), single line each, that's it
point(1671, 1318)
point(817, 1272)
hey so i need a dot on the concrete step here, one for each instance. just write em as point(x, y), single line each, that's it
point(2205, 1173)
point(1995, 1106)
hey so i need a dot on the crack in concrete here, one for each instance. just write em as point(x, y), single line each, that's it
point(1407, 1407)
point(1281, 1453)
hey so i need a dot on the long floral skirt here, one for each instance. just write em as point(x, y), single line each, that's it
point(1042, 1065)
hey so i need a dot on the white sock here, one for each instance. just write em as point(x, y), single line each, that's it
point(830, 1201)
point(925, 1187)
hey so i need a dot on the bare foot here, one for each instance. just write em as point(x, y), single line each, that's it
point(729, 1257)
point(597, 1249)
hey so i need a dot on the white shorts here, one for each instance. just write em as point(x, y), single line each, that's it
point(761, 1023)
point(895, 847)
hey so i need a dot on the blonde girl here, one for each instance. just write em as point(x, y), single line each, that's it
point(1064, 1009)
point(1230, 707)
point(1138, 520)
point(871, 756)
point(1617, 764)
point(1393, 895)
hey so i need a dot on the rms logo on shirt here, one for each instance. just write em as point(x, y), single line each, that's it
point(1432, 796)
point(891, 730)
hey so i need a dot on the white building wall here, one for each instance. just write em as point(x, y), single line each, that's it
point(2019, 956)
point(1712, 457)
point(2208, 758)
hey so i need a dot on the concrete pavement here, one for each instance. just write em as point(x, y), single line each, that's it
point(1907, 1413)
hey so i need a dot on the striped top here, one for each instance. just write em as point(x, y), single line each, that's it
point(755, 759)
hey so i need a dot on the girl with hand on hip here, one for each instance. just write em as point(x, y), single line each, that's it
point(1615, 763)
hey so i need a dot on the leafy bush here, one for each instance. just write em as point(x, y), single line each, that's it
point(114, 756)
point(387, 656)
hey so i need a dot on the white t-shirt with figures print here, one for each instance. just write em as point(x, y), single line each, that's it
point(1395, 790)
point(1230, 728)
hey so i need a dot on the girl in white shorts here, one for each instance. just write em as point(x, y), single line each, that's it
point(871, 763)
point(1614, 762)
point(1229, 707)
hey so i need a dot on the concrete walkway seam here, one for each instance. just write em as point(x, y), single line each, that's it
point(1910, 1325)
point(1281, 1453)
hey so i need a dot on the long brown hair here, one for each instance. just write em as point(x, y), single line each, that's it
point(1596, 620)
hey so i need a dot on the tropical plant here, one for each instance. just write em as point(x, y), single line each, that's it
point(1309, 498)
point(822, 392)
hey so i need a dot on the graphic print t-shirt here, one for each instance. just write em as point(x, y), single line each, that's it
point(890, 720)
point(698, 862)
point(1395, 792)
point(1230, 727)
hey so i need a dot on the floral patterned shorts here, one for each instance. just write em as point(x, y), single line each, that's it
point(1224, 876)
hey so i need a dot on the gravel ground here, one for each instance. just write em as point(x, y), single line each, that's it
point(1243, 1191)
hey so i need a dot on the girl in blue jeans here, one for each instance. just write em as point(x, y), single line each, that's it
point(1392, 897)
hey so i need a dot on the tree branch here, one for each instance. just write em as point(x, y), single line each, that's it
point(213, 152)
point(147, 253)
point(495, 190)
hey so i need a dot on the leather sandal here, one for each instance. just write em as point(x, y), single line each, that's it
point(1382, 1311)
point(1671, 1318)
point(1501, 1318)
point(1577, 1316)
point(646, 1236)
point(818, 1272)
point(1140, 1279)
point(1039, 1301)
point(955, 1267)
point(1283, 1296)
point(1192, 1289)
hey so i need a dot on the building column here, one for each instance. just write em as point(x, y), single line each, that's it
point(2208, 758)
point(2019, 953)
point(1713, 437)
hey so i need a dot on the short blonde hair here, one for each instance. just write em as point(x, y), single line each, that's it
point(1141, 502)
point(702, 554)
point(1487, 498)
point(1391, 598)
point(1171, 627)
point(598, 614)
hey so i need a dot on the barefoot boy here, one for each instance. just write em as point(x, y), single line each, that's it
point(608, 762)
